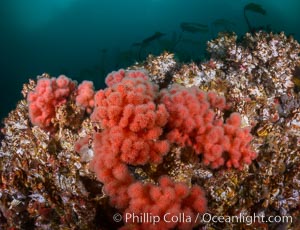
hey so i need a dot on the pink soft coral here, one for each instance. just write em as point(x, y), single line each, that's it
point(48, 94)
point(110, 170)
point(85, 96)
point(114, 77)
point(129, 110)
point(167, 199)
point(133, 125)
point(134, 197)
point(192, 123)
point(136, 118)
point(117, 76)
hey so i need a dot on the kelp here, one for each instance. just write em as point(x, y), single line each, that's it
point(193, 27)
point(254, 7)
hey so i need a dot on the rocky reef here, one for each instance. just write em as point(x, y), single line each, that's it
point(216, 138)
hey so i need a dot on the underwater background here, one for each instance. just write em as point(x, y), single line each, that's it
point(85, 40)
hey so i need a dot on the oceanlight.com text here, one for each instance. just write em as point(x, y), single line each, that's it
point(247, 219)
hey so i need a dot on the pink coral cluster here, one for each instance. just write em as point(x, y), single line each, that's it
point(192, 123)
point(133, 124)
point(48, 94)
point(128, 109)
point(110, 170)
point(85, 96)
point(166, 200)
point(134, 197)
point(117, 76)
point(139, 124)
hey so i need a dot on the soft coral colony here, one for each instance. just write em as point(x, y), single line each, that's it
point(151, 143)
point(139, 124)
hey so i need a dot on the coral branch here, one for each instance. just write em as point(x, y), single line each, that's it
point(85, 96)
point(192, 123)
point(48, 94)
